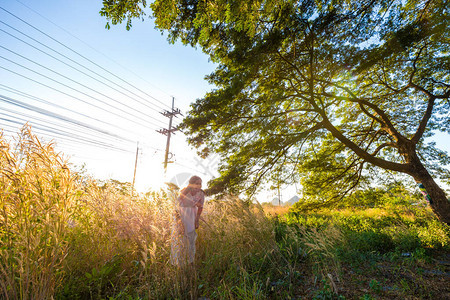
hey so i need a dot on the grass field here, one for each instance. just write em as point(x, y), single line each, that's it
point(65, 236)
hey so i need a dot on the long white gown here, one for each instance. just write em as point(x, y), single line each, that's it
point(183, 226)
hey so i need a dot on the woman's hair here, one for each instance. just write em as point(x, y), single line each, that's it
point(195, 180)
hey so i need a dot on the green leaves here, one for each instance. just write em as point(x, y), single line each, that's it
point(117, 11)
point(318, 90)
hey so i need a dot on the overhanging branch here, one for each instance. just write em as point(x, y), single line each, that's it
point(361, 153)
point(384, 117)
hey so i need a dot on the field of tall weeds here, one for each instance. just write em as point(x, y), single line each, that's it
point(64, 235)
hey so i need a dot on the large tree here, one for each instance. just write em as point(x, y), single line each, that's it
point(321, 91)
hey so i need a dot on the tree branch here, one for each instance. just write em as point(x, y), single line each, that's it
point(360, 152)
point(385, 119)
point(423, 123)
point(378, 149)
point(414, 64)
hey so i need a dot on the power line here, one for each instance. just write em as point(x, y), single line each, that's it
point(23, 94)
point(74, 36)
point(77, 63)
point(118, 115)
point(65, 143)
point(151, 147)
point(60, 134)
point(62, 75)
point(81, 127)
point(67, 140)
point(11, 90)
point(69, 147)
point(70, 49)
point(76, 90)
point(197, 171)
point(57, 130)
point(12, 132)
point(60, 117)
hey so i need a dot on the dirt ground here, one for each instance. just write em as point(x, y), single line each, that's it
point(401, 278)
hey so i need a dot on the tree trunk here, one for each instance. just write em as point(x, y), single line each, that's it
point(439, 202)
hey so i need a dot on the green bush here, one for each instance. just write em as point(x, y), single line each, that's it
point(370, 241)
point(435, 234)
point(407, 241)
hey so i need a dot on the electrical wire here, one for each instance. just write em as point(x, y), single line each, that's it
point(14, 91)
point(65, 134)
point(59, 60)
point(34, 120)
point(116, 114)
point(68, 149)
point(81, 92)
point(61, 134)
point(23, 94)
point(74, 36)
point(84, 57)
point(91, 89)
point(12, 132)
point(145, 145)
point(61, 117)
point(197, 171)
point(77, 63)
point(113, 138)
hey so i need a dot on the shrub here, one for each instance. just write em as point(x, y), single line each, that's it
point(370, 241)
point(406, 240)
point(435, 234)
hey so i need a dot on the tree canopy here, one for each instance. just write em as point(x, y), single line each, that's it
point(322, 92)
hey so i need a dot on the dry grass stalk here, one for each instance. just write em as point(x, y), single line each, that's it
point(38, 199)
point(321, 247)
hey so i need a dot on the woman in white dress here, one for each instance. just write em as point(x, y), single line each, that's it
point(189, 208)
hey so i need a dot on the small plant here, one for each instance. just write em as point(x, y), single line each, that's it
point(375, 286)
point(326, 293)
point(371, 241)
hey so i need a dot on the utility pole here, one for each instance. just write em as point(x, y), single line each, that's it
point(168, 132)
point(135, 163)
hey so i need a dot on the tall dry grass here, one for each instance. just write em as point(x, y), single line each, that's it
point(72, 237)
point(275, 210)
point(321, 246)
point(38, 198)
point(69, 237)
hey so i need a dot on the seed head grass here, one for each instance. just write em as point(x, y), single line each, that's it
point(71, 237)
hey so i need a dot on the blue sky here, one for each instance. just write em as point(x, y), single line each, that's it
point(141, 57)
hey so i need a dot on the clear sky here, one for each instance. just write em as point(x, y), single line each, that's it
point(80, 71)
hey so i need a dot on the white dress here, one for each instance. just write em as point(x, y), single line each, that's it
point(183, 239)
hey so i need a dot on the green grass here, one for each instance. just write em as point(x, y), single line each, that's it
point(65, 236)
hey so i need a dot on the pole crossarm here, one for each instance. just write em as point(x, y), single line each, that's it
point(173, 113)
point(169, 131)
point(166, 131)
